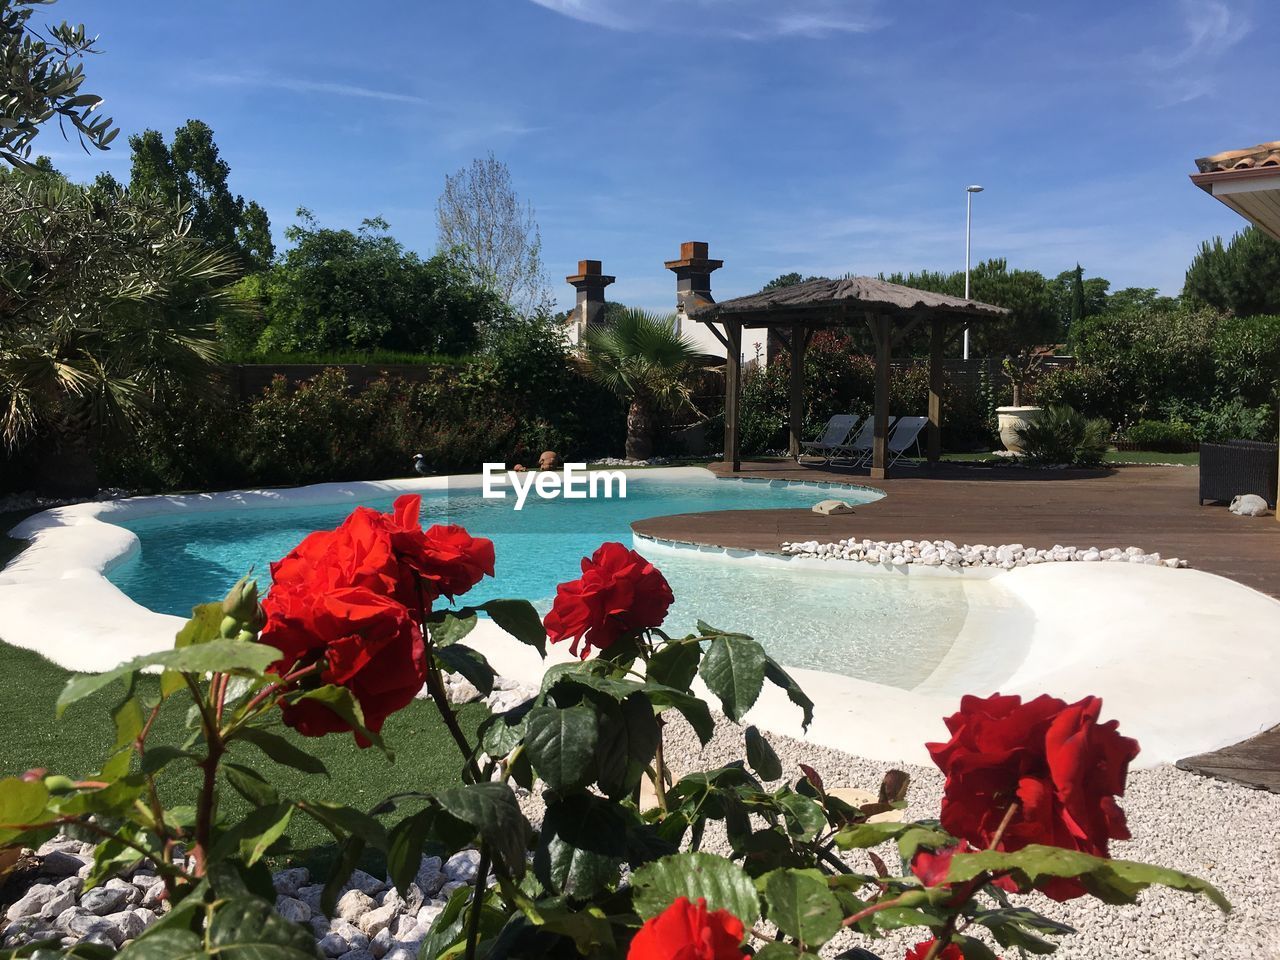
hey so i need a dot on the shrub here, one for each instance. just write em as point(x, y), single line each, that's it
point(1230, 419)
point(1161, 436)
point(1063, 436)
point(1086, 389)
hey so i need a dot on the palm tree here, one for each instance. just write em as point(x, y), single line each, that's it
point(641, 358)
point(107, 308)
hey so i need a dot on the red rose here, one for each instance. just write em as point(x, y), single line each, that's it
point(386, 553)
point(932, 866)
point(369, 644)
point(1060, 766)
point(921, 950)
point(619, 592)
point(684, 931)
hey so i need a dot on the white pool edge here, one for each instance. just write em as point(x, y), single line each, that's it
point(1187, 661)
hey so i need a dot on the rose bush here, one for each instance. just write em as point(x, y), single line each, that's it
point(354, 628)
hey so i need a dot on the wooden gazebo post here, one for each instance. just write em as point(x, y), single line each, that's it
point(884, 354)
point(732, 393)
point(796, 386)
point(937, 342)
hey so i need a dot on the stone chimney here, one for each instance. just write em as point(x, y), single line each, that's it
point(590, 283)
point(693, 276)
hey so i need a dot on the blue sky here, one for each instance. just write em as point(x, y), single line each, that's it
point(824, 136)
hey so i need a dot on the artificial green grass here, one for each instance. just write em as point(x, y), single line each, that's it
point(30, 736)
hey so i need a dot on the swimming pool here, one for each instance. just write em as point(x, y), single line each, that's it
point(891, 630)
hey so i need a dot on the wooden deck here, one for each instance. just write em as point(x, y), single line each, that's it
point(1147, 506)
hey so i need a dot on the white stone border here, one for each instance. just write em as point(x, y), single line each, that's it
point(1187, 661)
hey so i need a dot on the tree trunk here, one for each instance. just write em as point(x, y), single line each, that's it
point(639, 430)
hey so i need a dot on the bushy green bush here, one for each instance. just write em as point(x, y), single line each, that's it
point(1246, 358)
point(1062, 436)
point(1086, 389)
point(1161, 435)
point(326, 430)
point(1229, 419)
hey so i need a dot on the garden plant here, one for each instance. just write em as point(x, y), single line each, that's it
point(360, 619)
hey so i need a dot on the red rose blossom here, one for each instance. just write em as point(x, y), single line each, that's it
point(1060, 766)
point(619, 592)
point(388, 553)
point(921, 950)
point(931, 866)
point(369, 644)
point(685, 931)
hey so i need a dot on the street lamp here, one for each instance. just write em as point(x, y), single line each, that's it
point(968, 232)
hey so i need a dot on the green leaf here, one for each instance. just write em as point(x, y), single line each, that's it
point(722, 883)
point(470, 663)
point(21, 803)
point(161, 755)
point(805, 817)
point(581, 846)
point(220, 656)
point(341, 821)
point(111, 857)
point(251, 785)
point(801, 906)
point(675, 664)
point(1018, 927)
point(446, 929)
point(352, 849)
point(281, 750)
point(780, 678)
point(404, 848)
point(491, 808)
point(503, 732)
point(262, 828)
point(693, 709)
point(451, 628)
point(343, 702)
point(1112, 881)
point(561, 744)
point(760, 756)
point(628, 740)
point(910, 836)
point(520, 619)
point(204, 626)
point(733, 670)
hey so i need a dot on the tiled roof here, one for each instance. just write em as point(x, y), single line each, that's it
point(1263, 155)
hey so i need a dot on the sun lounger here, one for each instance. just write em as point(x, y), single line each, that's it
point(859, 448)
point(836, 433)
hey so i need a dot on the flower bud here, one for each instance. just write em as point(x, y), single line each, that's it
point(242, 608)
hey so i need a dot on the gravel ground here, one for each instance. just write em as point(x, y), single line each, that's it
point(1227, 834)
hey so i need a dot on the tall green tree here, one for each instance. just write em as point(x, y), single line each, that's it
point(1241, 277)
point(344, 290)
point(642, 359)
point(107, 306)
point(1033, 319)
point(786, 280)
point(40, 78)
point(191, 171)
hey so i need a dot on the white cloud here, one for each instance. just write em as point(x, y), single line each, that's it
point(1210, 30)
point(744, 19)
point(300, 85)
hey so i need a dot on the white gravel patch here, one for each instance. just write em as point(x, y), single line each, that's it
point(1224, 833)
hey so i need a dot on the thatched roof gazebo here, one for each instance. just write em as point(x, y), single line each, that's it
point(793, 313)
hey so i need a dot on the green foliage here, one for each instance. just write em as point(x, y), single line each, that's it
point(1060, 435)
point(1086, 389)
point(1226, 419)
point(109, 308)
point(191, 171)
point(1164, 436)
point(40, 78)
point(361, 290)
point(786, 280)
point(1242, 277)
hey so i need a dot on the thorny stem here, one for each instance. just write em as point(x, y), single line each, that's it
point(435, 686)
point(208, 791)
point(278, 686)
point(157, 809)
point(660, 772)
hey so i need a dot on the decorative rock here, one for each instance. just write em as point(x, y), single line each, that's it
point(33, 902)
point(462, 866)
point(293, 909)
point(154, 895)
point(288, 881)
point(350, 933)
point(365, 883)
point(354, 904)
point(381, 943)
point(463, 691)
point(104, 900)
point(374, 922)
point(402, 951)
point(148, 917)
point(311, 895)
point(60, 902)
point(132, 894)
point(25, 930)
point(59, 863)
point(332, 945)
point(319, 925)
point(933, 553)
point(830, 508)
point(126, 923)
point(405, 928)
point(358, 954)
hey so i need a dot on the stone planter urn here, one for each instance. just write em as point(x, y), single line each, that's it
point(1010, 419)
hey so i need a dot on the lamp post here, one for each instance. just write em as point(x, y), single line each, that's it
point(968, 233)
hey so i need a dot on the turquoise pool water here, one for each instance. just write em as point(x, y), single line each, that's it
point(884, 629)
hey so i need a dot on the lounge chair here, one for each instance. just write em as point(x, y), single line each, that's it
point(836, 433)
point(904, 436)
point(859, 449)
